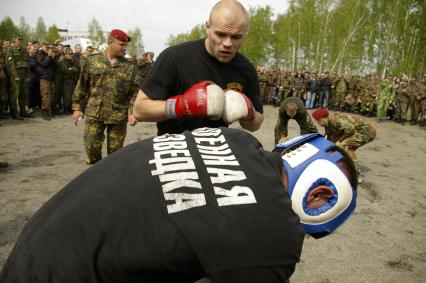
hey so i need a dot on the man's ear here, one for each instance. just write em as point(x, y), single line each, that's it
point(207, 27)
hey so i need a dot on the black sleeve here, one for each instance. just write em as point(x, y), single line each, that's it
point(162, 81)
point(279, 274)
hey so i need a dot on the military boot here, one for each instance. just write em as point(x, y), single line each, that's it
point(26, 114)
point(46, 115)
point(16, 116)
point(421, 123)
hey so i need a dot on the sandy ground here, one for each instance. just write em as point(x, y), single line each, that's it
point(384, 241)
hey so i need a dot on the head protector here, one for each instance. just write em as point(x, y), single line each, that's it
point(311, 162)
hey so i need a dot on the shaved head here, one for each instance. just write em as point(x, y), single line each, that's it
point(230, 10)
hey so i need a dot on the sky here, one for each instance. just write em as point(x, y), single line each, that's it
point(157, 19)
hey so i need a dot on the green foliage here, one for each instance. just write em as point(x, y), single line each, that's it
point(40, 30)
point(7, 29)
point(135, 47)
point(24, 29)
point(386, 37)
point(52, 34)
point(96, 35)
point(257, 43)
point(196, 32)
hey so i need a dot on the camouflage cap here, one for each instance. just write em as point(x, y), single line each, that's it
point(19, 36)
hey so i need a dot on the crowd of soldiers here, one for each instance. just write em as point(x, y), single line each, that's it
point(37, 76)
point(398, 98)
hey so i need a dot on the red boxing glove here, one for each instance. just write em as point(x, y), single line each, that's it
point(237, 107)
point(203, 99)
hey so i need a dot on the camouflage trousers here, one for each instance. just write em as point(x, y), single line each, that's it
point(94, 138)
point(68, 87)
point(415, 107)
point(339, 99)
point(423, 109)
point(358, 139)
point(3, 97)
point(47, 93)
point(19, 91)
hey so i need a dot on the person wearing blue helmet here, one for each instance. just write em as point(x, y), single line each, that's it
point(179, 207)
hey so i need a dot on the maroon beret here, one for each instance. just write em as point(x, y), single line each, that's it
point(120, 35)
point(320, 113)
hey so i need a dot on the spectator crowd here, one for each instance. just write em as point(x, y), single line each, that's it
point(399, 98)
point(40, 77)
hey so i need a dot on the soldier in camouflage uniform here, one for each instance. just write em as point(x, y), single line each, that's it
point(402, 101)
point(347, 132)
point(144, 65)
point(70, 69)
point(3, 89)
point(293, 108)
point(422, 96)
point(262, 83)
point(18, 69)
point(299, 86)
point(369, 99)
point(105, 88)
point(413, 91)
point(340, 91)
point(349, 103)
point(386, 96)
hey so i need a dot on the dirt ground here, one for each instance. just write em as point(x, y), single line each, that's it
point(384, 241)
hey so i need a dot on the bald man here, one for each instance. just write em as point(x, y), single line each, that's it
point(292, 108)
point(180, 91)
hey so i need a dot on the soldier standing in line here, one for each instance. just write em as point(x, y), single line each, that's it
point(414, 99)
point(422, 98)
point(341, 89)
point(299, 87)
point(3, 89)
point(70, 69)
point(386, 96)
point(402, 101)
point(105, 88)
point(144, 65)
point(293, 108)
point(271, 84)
point(347, 132)
point(262, 82)
point(18, 69)
point(57, 102)
point(46, 70)
point(369, 100)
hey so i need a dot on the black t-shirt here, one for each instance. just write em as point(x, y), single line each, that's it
point(181, 66)
point(170, 209)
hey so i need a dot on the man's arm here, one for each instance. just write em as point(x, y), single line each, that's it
point(146, 109)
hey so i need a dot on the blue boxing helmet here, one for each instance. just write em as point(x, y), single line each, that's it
point(311, 163)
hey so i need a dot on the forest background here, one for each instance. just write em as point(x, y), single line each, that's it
point(344, 36)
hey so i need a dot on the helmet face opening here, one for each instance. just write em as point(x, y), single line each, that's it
point(322, 194)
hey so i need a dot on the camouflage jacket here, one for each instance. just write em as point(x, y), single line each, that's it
point(2, 63)
point(104, 91)
point(143, 68)
point(17, 58)
point(413, 89)
point(341, 127)
point(70, 69)
point(341, 85)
